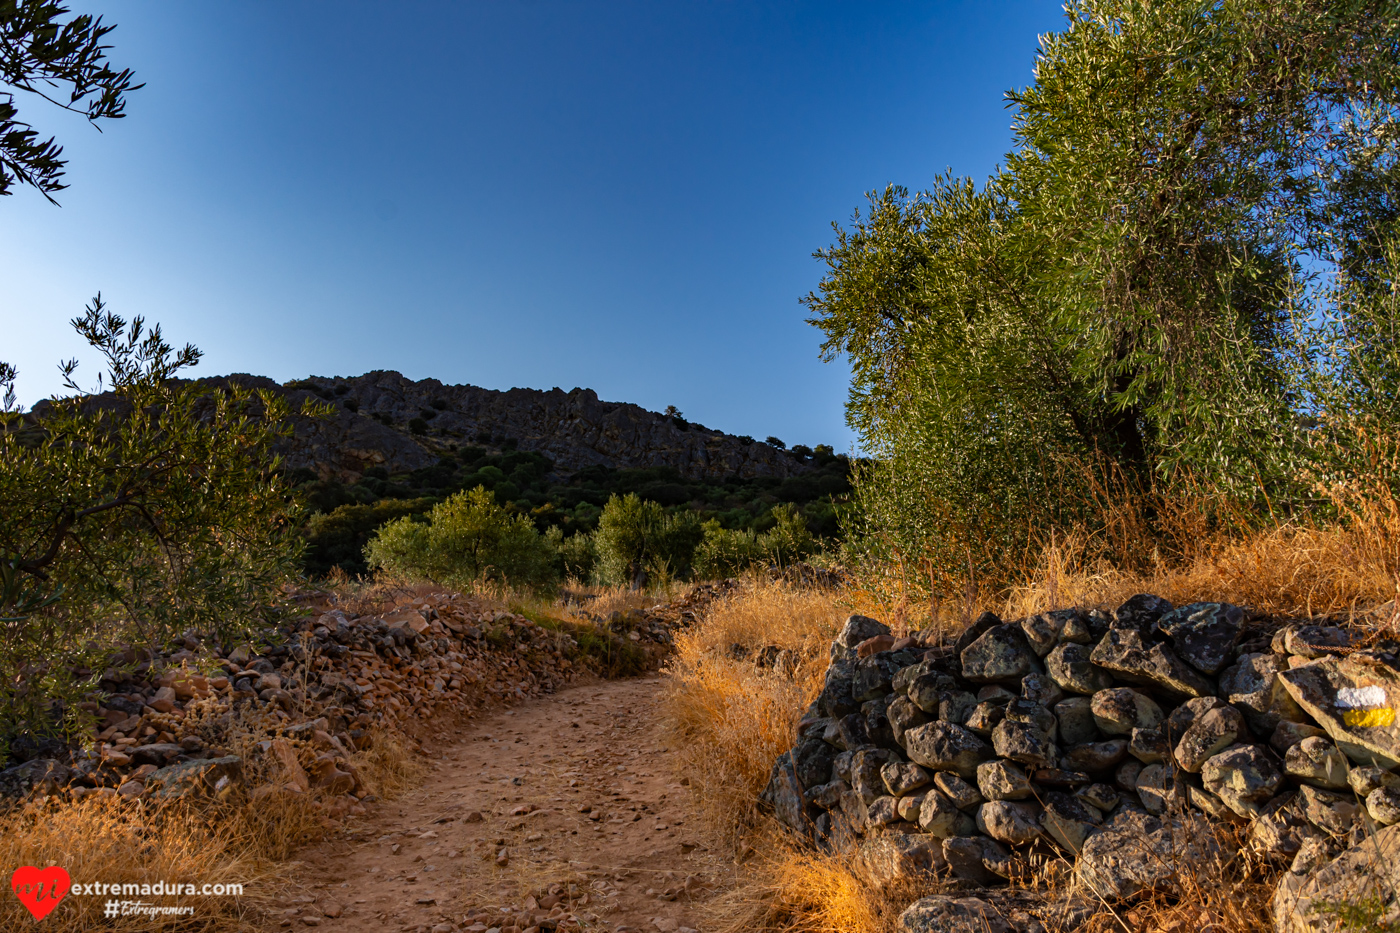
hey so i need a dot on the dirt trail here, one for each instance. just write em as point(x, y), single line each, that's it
point(570, 798)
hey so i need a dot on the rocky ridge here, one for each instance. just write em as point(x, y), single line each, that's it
point(1098, 748)
point(369, 427)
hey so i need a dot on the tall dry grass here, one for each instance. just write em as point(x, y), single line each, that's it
point(732, 718)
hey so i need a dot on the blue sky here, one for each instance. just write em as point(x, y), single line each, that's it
point(622, 196)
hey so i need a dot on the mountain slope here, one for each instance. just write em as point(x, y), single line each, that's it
point(378, 417)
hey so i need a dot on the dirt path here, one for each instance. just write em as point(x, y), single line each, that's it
point(563, 807)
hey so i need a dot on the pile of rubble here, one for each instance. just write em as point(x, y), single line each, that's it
point(1110, 741)
point(313, 695)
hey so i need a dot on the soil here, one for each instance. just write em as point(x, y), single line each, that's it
point(564, 806)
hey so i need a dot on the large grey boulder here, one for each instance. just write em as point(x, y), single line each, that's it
point(220, 778)
point(1135, 852)
point(1354, 699)
point(1000, 655)
point(946, 746)
point(1203, 634)
point(39, 775)
point(1127, 653)
point(892, 858)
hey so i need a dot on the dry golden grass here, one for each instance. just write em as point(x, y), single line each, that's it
point(731, 718)
point(790, 889)
point(119, 842)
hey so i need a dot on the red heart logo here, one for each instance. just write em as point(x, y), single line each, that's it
point(40, 890)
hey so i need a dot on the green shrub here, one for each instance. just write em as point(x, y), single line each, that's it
point(338, 538)
point(637, 539)
point(132, 517)
point(725, 552)
point(465, 539)
point(418, 426)
point(574, 555)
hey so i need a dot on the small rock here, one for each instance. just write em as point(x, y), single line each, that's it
point(945, 746)
point(1009, 822)
point(1208, 736)
point(1383, 804)
point(1327, 811)
point(1317, 761)
point(1024, 743)
point(1366, 778)
point(939, 815)
point(1002, 780)
point(903, 777)
point(1120, 710)
point(1040, 689)
point(1288, 734)
point(1070, 667)
point(1074, 718)
point(963, 794)
point(969, 858)
point(1243, 776)
point(1156, 788)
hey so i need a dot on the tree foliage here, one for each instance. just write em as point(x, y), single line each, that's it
point(153, 509)
point(63, 61)
point(637, 539)
point(466, 539)
point(1180, 260)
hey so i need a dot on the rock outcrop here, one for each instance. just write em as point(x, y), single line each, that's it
point(370, 427)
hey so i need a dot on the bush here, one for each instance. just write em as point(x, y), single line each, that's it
point(725, 552)
point(637, 539)
point(418, 426)
point(338, 538)
point(772, 441)
point(132, 517)
point(466, 539)
point(574, 556)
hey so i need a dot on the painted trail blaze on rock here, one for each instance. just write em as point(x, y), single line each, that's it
point(1365, 706)
point(1354, 699)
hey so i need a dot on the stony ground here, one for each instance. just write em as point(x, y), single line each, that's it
point(560, 814)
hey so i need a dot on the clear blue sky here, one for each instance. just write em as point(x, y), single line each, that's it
point(622, 196)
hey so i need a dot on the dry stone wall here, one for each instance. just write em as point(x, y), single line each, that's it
point(1112, 741)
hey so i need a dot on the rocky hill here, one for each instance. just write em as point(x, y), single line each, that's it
point(384, 419)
